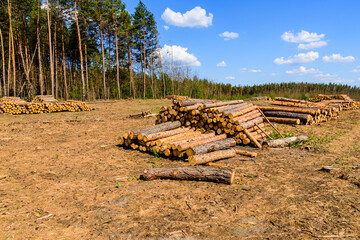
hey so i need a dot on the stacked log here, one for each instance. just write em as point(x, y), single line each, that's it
point(294, 111)
point(176, 97)
point(44, 99)
point(18, 107)
point(344, 102)
point(221, 117)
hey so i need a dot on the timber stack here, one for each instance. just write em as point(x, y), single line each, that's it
point(294, 111)
point(236, 119)
point(44, 99)
point(15, 106)
point(344, 101)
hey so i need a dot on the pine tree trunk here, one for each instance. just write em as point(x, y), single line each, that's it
point(117, 59)
point(81, 57)
point(3, 64)
point(162, 67)
point(109, 64)
point(55, 64)
point(11, 45)
point(103, 57)
point(50, 50)
point(63, 56)
point(144, 58)
point(41, 78)
point(130, 65)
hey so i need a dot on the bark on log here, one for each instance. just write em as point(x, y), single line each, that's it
point(175, 144)
point(250, 136)
point(290, 100)
point(185, 146)
point(219, 104)
point(295, 121)
point(135, 132)
point(154, 136)
point(250, 107)
point(160, 128)
point(177, 137)
point(188, 102)
point(211, 146)
point(246, 117)
point(291, 104)
point(198, 173)
point(283, 142)
point(246, 153)
point(303, 117)
point(251, 123)
point(210, 157)
point(311, 111)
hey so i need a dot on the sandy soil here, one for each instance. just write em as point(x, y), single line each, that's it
point(63, 177)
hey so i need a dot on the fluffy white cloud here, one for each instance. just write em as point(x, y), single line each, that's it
point(180, 55)
point(299, 58)
point(332, 78)
point(196, 17)
point(338, 58)
point(254, 70)
point(357, 69)
point(243, 69)
point(312, 45)
point(166, 27)
point(221, 64)
point(302, 70)
point(229, 35)
point(230, 78)
point(303, 36)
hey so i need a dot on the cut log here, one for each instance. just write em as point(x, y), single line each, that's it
point(292, 104)
point(154, 136)
point(175, 144)
point(134, 133)
point(311, 111)
point(303, 117)
point(251, 123)
point(188, 102)
point(246, 153)
point(290, 100)
point(283, 142)
point(180, 136)
point(184, 146)
point(159, 128)
point(246, 117)
point(211, 146)
point(295, 121)
point(198, 173)
point(250, 107)
point(250, 136)
point(218, 104)
point(212, 156)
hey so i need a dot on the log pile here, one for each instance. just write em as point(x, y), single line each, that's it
point(231, 118)
point(293, 111)
point(343, 101)
point(176, 97)
point(15, 107)
point(45, 99)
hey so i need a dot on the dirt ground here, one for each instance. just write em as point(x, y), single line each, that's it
point(62, 176)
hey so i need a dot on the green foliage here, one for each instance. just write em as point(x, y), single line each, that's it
point(318, 142)
point(118, 185)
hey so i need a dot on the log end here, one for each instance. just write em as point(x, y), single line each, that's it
point(190, 152)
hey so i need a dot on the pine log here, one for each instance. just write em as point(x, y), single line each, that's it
point(290, 100)
point(238, 108)
point(295, 121)
point(134, 133)
point(188, 102)
point(246, 117)
point(211, 146)
point(252, 138)
point(250, 107)
point(251, 123)
point(180, 136)
point(283, 142)
point(158, 135)
point(192, 173)
point(218, 104)
point(210, 157)
point(292, 104)
point(184, 146)
point(246, 153)
point(159, 128)
point(311, 111)
point(175, 144)
point(303, 117)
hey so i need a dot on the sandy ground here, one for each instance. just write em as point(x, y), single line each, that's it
point(62, 176)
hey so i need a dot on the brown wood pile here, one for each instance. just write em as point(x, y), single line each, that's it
point(23, 107)
point(176, 97)
point(264, 98)
point(343, 101)
point(231, 118)
point(44, 99)
point(294, 111)
point(144, 114)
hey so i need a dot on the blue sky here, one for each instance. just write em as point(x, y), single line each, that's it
point(268, 41)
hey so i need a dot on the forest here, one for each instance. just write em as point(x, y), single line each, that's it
point(97, 50)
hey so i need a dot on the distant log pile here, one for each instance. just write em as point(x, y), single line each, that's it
point(15, 106)
point(293, 111)
point(44, 99)
point(231, 118)
point(176, 97)
point(264, 98)
point(343, 101)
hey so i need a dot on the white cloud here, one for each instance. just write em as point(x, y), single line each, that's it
point(166, 27)
point(221, 64)
point(332, 78)
point(196, 17)
point(303, 36)
point(229, 35)
point(230, 78)
point(302, 70)
point(312, 45)
point(255, 70)
point(357, 69)
point(338, 58)
point(299, 58)
point(274, 74)
point(243, 69)
point(180, 55)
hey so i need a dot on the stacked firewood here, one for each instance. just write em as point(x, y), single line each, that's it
point(322, 97)
point(235, 119)
point(15, 108)
point(293, 111)
point(343, 101)
point(176, 97)
point(45, 99)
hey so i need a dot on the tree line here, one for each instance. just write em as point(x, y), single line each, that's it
point(93, 49)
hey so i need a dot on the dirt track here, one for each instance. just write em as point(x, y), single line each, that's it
point(59, 172)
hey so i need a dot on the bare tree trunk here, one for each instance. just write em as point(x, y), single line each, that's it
point(11, 45)
point(86, 59)
point(151, 73)
point(109, 64)
point(50, 50)
point(103, 57)
point(144, 58)
point(55, 64)
point(81, 56)
point(41, 79)
point(117, 59)
point(63, 55)
point(162, 67)
point(130, 66)
point(3, 63)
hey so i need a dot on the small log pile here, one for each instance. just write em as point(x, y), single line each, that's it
point(293, 111)
point(343, 101)
point(14, 106)
point(144, 114)
point(44, 99)
point(236, 119)
point(176, 97)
